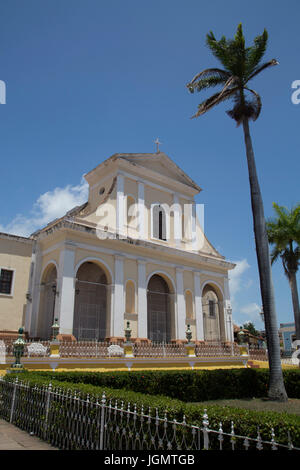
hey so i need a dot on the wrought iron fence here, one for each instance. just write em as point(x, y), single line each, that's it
point(216, 349)
point(159, 349)
point(96, 349)
point(70, 421)
point(43, 349)
point(258, 354)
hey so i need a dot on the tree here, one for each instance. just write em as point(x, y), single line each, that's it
point(240, 65)
point(284, 233)
point(249, 326)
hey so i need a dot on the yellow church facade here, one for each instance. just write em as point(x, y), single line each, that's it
point(135, 251)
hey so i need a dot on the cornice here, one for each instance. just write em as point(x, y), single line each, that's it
point(89, 229)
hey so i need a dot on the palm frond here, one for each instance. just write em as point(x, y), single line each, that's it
point(220, 49)
point(256, 52)
point(214, 100)
point(207, 73)
point(207, 82)
point(259, 69)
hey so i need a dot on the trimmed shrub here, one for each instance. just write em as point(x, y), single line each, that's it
point(189, 386)
point(245, 421)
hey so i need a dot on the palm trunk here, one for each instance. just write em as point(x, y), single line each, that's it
point(276, 385)
point(295, 300)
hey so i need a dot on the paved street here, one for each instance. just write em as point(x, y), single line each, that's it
point(13, 438)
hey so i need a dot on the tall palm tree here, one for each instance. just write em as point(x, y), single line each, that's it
point(284, 234)
point(240, 65)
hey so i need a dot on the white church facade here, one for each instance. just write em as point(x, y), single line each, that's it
point(135, 251)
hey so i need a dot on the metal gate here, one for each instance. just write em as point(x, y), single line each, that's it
point(211, 321)
point(48, 310)
point(159, 325)
point(90, 311)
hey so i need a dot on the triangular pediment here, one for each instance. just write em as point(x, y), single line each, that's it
point(161, 164)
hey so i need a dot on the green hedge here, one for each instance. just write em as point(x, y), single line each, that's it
point(189, 386)
point(245, 421)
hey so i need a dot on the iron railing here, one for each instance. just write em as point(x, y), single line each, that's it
point(96, 349)
point(70, 421)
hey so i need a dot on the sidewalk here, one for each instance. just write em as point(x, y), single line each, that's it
point(13, 438)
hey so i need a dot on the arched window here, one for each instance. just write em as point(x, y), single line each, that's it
point(159, 222)
point(130, 297)
point(130, 210)
point(90, 309)
point(159, 313)
point(189, 305)
point(211, 313)
point(131, 216)
point(47, 302)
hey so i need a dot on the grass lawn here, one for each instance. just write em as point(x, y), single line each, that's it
point(292, 406)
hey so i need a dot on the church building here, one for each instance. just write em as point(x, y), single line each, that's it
point(135, 251)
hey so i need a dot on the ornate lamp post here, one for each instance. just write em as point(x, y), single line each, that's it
point(128, 332)
point(128, 347)
point(18, 351)
point(54, 344)
point(55, 329)
point(188, 333)
point(244, 352)
point(189, 347)
point(229, 320)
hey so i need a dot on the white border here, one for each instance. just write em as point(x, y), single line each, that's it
point(11, 294)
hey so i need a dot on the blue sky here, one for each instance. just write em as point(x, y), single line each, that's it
point(88, 78)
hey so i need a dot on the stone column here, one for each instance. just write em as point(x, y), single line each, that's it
point(181, 310)
point(117, 327)
point(198, 308)
point(177, 220)
point(64, 308)
point(33, 306)
point(141, 211)
point(194, 226)
point(142, 301)
point(120, 209)
point(227, 317)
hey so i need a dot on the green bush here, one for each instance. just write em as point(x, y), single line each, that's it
point(245, 421)
point(189, 386)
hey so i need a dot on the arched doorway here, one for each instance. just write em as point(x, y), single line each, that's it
point(47, 302)
point(212, 313)
point(90, 308)
point(159, 315)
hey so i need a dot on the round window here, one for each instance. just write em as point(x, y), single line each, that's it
point(101, 191)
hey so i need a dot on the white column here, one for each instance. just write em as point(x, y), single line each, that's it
point(117, 329)
point(198, 308)
point(181, 310)
point(141, 210)
point(120, 215)
point(194, 223)
point(33, 307)
point(64, 308)
point(227, 317)
point(142, 300)
point(177, 221)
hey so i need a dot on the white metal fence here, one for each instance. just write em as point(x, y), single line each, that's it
point(68, 421)
point(95, 349)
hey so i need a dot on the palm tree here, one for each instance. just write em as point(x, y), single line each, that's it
point(240, 65)
point(284, 234)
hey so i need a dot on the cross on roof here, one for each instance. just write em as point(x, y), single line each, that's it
point(158, 143)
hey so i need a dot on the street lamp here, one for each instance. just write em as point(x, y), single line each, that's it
point(229, 319)
point(188, 333)
point(18, 350)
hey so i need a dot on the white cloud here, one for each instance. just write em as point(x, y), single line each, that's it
point(49, 206)
point(252, 311)
point(235, 277)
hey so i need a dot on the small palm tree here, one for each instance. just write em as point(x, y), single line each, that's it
point(240, 65)
point(284, 234)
